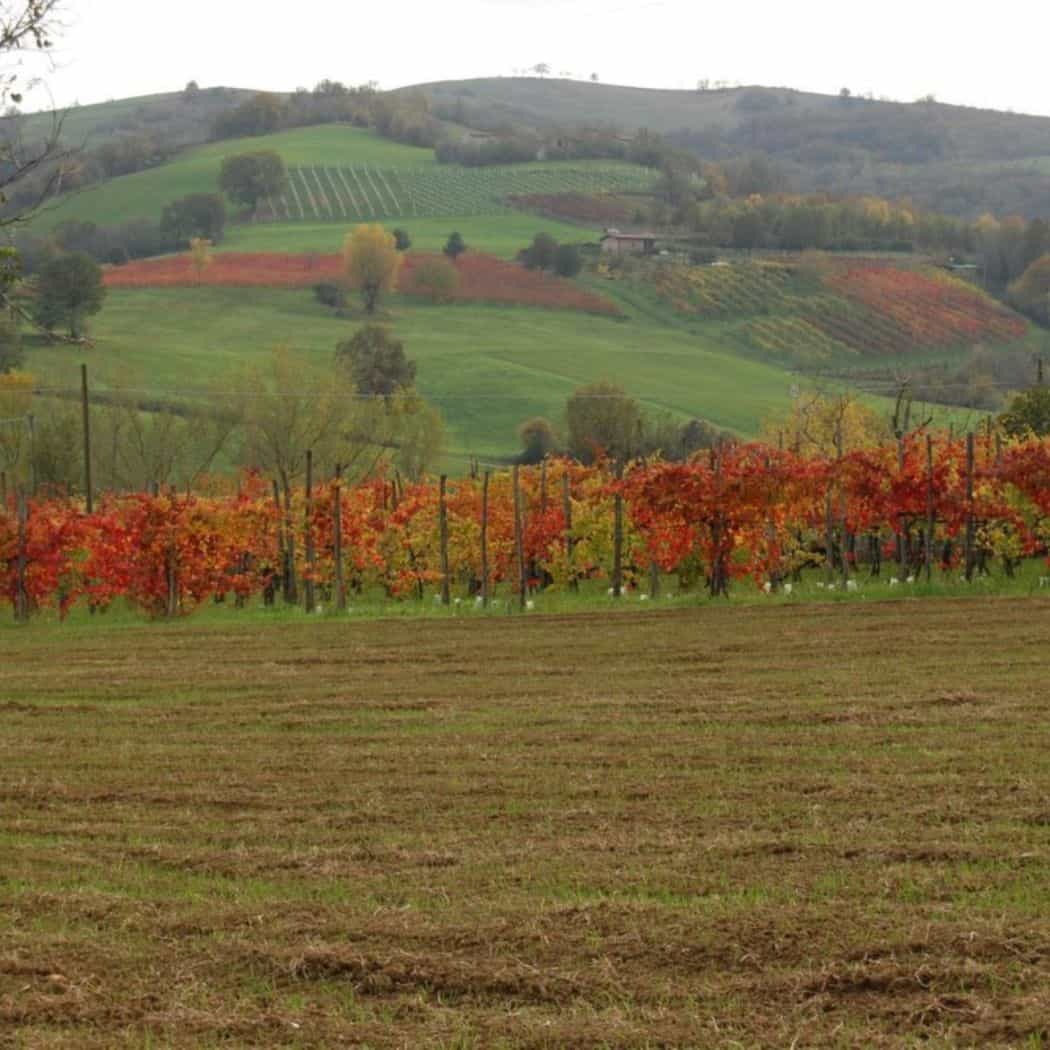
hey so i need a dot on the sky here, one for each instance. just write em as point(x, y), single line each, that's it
point(898, 49)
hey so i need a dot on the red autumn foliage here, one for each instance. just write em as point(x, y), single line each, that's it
point(483, 278)
point(743, 510)
point(930, 310)
point(579, 207)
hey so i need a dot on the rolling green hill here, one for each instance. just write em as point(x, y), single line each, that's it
point(345, 175)
point(488, 368)
point(720, 343)
point(144, 194)
point(930, 152)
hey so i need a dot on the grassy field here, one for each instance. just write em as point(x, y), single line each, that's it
point(503, 235)
point(488, 368)
point(822, 826)
point(144, 194)
point(423, 186)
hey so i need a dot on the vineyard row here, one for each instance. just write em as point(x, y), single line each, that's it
point(359, 192)
point(926, 503)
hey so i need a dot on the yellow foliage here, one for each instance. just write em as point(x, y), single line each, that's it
point(372, 262)
point(16, 401)
point(822, 424)
point(200, 252)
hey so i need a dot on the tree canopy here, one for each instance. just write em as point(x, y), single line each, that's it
point(248, 177)
point(195, 215)
point(372, 262)
point(602, 420)
point(1028, 413)
point(69, 289)
point(376, 363)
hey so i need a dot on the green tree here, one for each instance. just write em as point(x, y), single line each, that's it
point(540, 255)
point(11, 355)
point(537, 440)
point(567, 261)
point(1030, 293)
point(746, 229)
point(259, 115)
point(195, 215)
point(332, 295)
point(248, 177)
point(402, 241)
point(376, 362)
point(1028, 413)
point(455, 246)
point(69, 289)
point(289, 411)
point(602, 420)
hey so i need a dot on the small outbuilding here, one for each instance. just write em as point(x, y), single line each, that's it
point(628, 243)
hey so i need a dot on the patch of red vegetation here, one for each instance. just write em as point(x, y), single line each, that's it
point(930, 309)
point(483, 278)
point(581, 207)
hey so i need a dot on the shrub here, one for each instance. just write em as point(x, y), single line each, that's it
point(567, 261)
point(330, 295)
point(437, 279)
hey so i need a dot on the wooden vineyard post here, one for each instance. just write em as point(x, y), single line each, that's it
point(337, 539)
point(930, 517)
point(85, 413)
point(446, 584)
point(485, 541)
point(171, 571)
point(901, 526)
point(719, 583)
point(566, 500)
point(617, 572)
point(309, 593)
point(829, 538)
point(519, 540)
point(21, 595)
point(31, 425)
point(843, 516)
point(970, 524)
point(280, 563)
point(291, 590)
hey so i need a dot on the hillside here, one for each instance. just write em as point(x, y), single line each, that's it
point(486, 367)
point(842, 312)
point(144, 194)
point(950, 158)
point(176, 117)
point(344, 175)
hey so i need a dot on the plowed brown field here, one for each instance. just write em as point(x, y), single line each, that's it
point(813, 826)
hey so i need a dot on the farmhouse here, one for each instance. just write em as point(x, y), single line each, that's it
point(628, 243)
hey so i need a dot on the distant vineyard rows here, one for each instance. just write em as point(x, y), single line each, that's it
point(359, 192)
point(854, 308)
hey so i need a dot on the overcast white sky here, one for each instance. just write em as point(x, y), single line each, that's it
point(902, 49)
